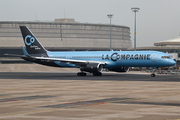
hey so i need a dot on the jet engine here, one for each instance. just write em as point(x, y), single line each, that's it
point(119, 69)
point(92, 68)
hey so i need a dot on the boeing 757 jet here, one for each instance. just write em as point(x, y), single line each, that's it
point(90, 61)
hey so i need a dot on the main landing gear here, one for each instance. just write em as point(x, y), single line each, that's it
point(81, 74)
point(84, 74)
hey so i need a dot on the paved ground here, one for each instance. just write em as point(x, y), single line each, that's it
point(33, 92)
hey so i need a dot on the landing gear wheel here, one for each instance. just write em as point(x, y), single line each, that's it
point(81, 74)
point(97, 74)
point(153, 75)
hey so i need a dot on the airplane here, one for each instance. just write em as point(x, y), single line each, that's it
point(90, 61)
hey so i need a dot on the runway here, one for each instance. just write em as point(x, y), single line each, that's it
point(65, 96)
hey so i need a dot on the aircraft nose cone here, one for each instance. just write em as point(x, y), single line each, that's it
point(172, 62)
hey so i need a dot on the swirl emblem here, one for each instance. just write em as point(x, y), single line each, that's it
point(31, 40)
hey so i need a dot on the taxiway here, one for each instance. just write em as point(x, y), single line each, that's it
point(37, 95)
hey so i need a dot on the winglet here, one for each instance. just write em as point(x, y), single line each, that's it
point(24, 51)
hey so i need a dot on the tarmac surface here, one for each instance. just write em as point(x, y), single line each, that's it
point(34, 92)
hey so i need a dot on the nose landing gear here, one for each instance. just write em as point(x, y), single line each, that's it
point(153, 73)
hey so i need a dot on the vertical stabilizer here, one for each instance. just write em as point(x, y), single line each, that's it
point(33, 46)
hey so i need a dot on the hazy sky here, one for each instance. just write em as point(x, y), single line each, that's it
point(157, 20)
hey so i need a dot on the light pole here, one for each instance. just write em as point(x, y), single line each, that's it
point(110, 16)
point(135, 10)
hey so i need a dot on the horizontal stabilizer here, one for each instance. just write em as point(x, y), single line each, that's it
point(15, 55)
point(22, 56)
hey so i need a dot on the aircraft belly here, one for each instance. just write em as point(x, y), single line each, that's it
point(140, 63)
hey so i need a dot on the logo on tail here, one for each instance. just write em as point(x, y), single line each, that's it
point(31, 40)
point(33, 46)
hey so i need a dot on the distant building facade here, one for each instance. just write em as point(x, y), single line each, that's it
point(171, 47)
point(65, 35)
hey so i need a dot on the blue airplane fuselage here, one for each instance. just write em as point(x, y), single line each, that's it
point(116, 58)
point(88, 61)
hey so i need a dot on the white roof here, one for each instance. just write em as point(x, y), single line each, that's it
point(173, 40)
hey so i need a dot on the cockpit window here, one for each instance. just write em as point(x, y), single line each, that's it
point(164, 57)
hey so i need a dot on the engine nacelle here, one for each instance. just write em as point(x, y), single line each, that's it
point(119, 69)
point(92, 68)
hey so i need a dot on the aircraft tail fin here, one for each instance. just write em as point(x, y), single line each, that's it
point(33, 46)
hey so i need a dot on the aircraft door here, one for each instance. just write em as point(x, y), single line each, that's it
point(119, 58)
point(154, 58)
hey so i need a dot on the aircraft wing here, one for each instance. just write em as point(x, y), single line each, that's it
point(70, 61)
point(67, 61)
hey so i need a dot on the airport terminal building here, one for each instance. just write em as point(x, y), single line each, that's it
point(64, 35)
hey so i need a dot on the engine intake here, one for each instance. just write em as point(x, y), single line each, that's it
point(92, 67)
